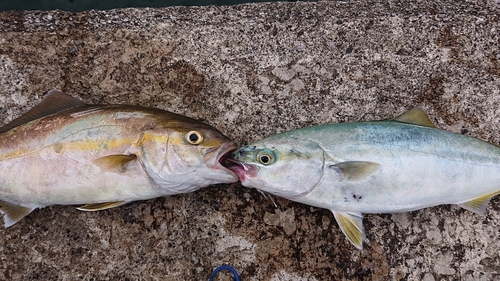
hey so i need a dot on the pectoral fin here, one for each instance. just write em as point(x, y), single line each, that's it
point(101, 206)
point(478, 205)
point(351, 224)
point(355, 170)
point(13, 213)
point(114, 163)
point(415, 116)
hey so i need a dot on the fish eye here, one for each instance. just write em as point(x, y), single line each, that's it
point(194, 137)
point(265, 158)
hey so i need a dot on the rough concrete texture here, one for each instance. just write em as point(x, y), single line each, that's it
point(252, 71)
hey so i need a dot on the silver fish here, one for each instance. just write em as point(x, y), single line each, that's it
point(66, 152)
point(391, 166)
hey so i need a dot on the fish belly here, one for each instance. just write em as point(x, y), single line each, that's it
point(69, 178)
point(399, 190)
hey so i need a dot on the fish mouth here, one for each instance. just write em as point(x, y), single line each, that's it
point(243, 171)
point(224, 152)
point(215, 158)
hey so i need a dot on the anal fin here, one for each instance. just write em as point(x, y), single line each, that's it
point(478, 205)
point(13, 213)
point(351, 224)
point(101, 206)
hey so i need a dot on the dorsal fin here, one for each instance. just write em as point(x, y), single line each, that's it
point(415, 116)
point(54, 101)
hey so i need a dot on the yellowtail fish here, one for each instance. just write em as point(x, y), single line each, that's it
point(391, 166)
point(66, 152)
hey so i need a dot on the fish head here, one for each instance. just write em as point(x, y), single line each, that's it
point(186, 155)
point(284, 168)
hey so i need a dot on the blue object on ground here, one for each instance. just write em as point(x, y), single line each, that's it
point(226, 267)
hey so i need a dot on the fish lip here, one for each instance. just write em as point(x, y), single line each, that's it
point(215, 157)
point(243, 171)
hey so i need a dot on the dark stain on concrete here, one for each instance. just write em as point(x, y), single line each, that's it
point(111, 64)
point(433, 95)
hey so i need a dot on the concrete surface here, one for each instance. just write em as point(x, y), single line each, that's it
point(254, 70)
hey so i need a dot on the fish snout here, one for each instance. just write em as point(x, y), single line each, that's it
point(238, 154)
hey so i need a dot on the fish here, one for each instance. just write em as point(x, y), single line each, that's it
point(387, 166)
point(65, 152)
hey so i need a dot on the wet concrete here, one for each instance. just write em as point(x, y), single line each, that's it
point(252, 71)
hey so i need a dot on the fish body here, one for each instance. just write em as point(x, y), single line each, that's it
point(104, 156)
point(391, 166)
